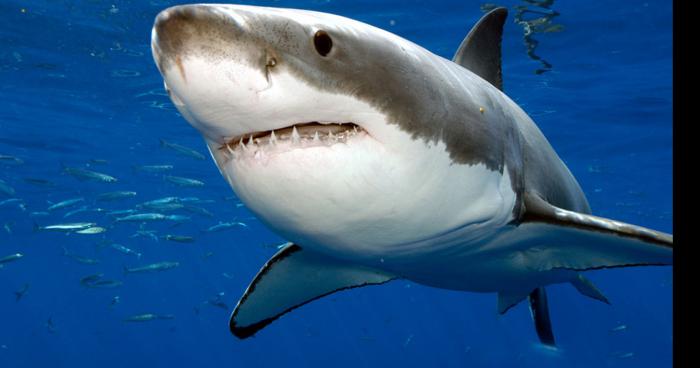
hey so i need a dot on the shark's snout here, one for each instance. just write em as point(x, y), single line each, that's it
point(193, 30)
point(210, 62)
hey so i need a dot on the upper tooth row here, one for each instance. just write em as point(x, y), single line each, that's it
point(296, 138)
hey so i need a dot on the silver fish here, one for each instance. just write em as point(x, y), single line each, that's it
point(121, 212)
point(10, 201)
point(92, 230)
point(80, 259)
point(90, 279)
point(19, 294)
point(75, 226)
point(159, 202)
point(105, 284)
point(140, 217)
point(145, 233)
point(199, 211)
point(224, 226)
point(79, 210)
point(179, 238)
point(155, 267)
point(183, 182)
point(618, 328)
point(10, 160)
point(84, 174)
point(163, 206)
point(6, 188)
point(66, 203)
point(148, 317)
point(217, 301)
point(11, 258)
point(125, 250)
point(178, 218)
point(116, 300)
point(113, 196)
point(39, 182)
point(154, 168)
point(182, 149)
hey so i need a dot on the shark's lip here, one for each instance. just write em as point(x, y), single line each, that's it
point(315, 131)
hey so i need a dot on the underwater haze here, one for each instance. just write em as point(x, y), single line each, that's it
point(89, 137)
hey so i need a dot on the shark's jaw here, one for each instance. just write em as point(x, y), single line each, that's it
point(320, 166)
point(297, 136)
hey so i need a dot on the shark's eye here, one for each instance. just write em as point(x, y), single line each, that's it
point(323, 43)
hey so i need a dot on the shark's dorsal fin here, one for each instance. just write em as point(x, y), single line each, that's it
point(480, 51)
point(292, 278)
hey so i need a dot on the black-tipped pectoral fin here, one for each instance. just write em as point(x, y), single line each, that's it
point(292, 278)
point(555, 238)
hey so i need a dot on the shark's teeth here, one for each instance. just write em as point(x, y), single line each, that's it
point(304, 135)
point(295, 135)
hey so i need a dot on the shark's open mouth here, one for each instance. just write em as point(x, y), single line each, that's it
point(303, 134)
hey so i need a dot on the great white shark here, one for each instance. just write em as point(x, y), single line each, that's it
point(379, 160)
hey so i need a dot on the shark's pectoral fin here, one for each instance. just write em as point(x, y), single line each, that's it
point(554, 238)
point(292, 278)
point(540, 315)
point(480, 51)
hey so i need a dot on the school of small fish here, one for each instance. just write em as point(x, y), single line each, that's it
point(99, 208)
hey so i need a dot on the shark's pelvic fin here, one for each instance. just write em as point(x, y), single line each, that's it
point(554, 238)
point(292, 278)
point(508, 300)
point(480, 51)
point(540, 315)
point(586, 287)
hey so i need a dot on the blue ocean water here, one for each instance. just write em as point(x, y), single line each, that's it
point(79, 89)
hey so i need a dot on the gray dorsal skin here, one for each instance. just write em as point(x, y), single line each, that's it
point(292, 278)
point(480, 51)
